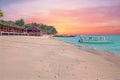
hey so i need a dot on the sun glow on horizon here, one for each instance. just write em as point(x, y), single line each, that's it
point(69, 17)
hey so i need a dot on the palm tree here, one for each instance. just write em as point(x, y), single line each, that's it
point(1, 13)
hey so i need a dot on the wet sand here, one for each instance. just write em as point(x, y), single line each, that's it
point(43, 58)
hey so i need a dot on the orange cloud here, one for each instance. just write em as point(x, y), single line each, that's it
point(93, 20)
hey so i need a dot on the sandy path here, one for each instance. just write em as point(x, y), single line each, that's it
point(42, 58)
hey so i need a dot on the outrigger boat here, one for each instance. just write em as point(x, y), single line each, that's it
point(94, 40)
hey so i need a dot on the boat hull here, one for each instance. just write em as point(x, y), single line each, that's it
point(96, 42)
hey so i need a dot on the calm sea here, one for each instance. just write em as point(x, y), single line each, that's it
point(114, 47)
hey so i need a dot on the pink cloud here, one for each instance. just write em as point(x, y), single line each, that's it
point(77, 18)
point(95, 14)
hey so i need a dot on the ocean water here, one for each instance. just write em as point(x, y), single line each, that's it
point(113, 47)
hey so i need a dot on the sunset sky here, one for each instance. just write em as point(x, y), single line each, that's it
point(68, 16)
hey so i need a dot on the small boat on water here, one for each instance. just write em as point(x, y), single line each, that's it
point(94, 40)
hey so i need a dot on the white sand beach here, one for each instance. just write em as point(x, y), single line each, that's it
point(43, 58)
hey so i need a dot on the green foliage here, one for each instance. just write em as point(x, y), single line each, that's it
point(1, 13)
point(45, 28)
point(20, 22)
point(51, 30)
point(27, 25)
point(9, 23)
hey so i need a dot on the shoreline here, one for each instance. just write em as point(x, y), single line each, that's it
point(114, 58)
point(90, 50)
point(106, 54)
point(45, 58)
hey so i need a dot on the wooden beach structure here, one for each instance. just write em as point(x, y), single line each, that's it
point(12, 30)
point(33, 31)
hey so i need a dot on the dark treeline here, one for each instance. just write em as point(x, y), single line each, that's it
point(47, 29)
point(1, 13)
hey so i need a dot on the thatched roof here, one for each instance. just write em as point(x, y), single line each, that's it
point(33, 28)
point(5, 25)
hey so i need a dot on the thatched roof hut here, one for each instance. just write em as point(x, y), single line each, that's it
point(33, 30)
